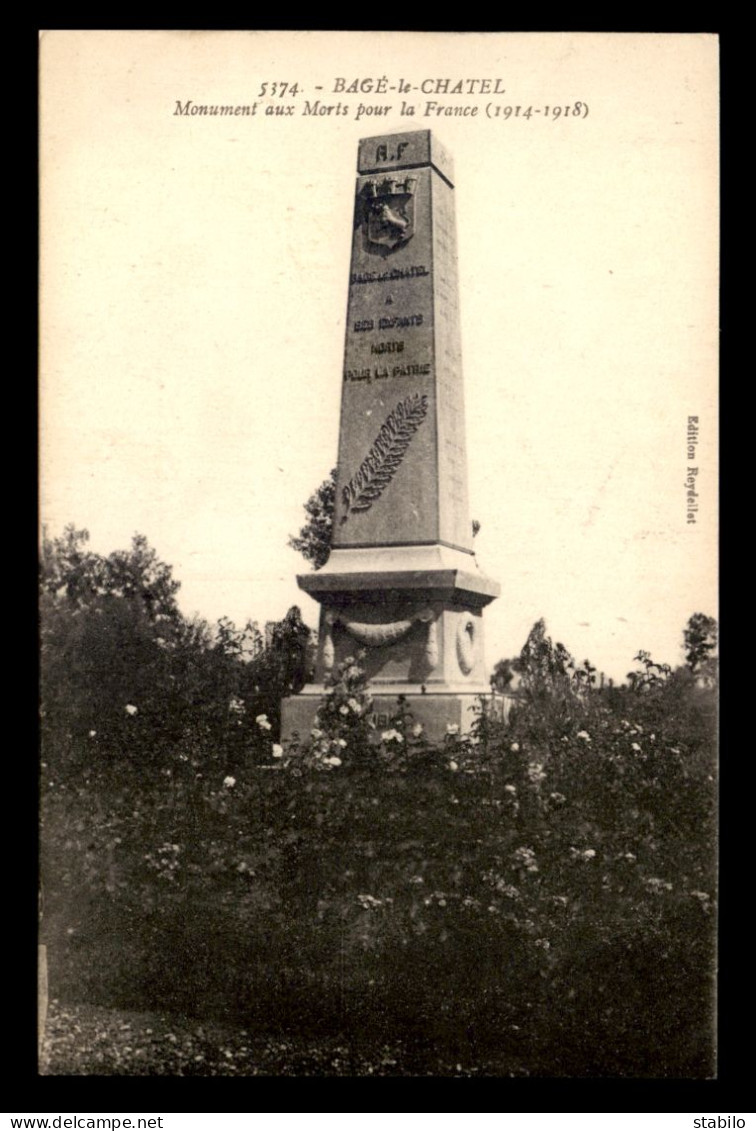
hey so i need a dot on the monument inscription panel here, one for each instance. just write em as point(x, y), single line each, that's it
point(402, 353)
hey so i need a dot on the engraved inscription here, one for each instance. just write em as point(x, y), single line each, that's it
point(382, 152)
point(387, 347)
point(400, 322)
point(411, 370)
point(386, 454)
point(392, 322)
point(421, 369)
point(415, 272)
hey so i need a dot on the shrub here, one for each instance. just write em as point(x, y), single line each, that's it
point(554, 897)
point(542, 888)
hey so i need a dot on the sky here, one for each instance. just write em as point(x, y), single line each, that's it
point(193, 295)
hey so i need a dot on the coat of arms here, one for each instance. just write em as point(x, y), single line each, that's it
point(389, 212)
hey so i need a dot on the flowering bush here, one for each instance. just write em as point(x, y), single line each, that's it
point(536, 886)
point(544, 885)
point(342, 723)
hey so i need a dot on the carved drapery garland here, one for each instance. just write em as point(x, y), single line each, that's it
point(377, 635)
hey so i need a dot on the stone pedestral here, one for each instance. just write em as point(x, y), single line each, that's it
point(417, 614)
point(402, 581)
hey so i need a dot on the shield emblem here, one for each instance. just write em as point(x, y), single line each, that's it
point(390, 213)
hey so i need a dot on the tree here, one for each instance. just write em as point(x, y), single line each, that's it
point(649, 675)
point(128, 683)
point(544, 665)
point(75, 576)
point(314, 540)
point(700, 637)
point(111, 631)
point(503, 674)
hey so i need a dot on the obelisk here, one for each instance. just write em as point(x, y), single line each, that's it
point(402, 581)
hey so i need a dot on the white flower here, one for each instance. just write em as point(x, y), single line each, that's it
point(635, 746)
point(92, 733)
point(262, 722)
point(453, 766)
point(452, 728)
point(391, 736)
point(277, 751)
point(316, 733)
point(354, 705)
point(417, 729)
point(131, 709)
point(584, 735)
point(657, 886)
point(332, 761)
point(589, 853)
point(343, 709)
point(229, 782)
point(510, 789)
point(514, 747)
point(341, 742)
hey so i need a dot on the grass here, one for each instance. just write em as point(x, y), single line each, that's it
point(85, 1040)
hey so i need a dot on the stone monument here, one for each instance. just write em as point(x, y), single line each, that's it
point(402, 581)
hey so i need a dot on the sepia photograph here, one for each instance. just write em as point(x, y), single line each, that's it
point(378, 554)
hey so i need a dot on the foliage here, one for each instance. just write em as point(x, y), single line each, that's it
point(342, 722)
point(543, 664)
point(539, 893)
point(503, 675)
point(314, 539)
point(549, 900)
point(701, 638)
point(69, 570)
point(126, 680)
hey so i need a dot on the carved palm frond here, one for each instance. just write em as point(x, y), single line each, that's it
point(385, 455)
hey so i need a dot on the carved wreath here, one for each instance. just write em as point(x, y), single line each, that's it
point(386, 453)
point(466, 644)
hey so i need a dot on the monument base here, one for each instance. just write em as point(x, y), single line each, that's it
point(438, 712)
